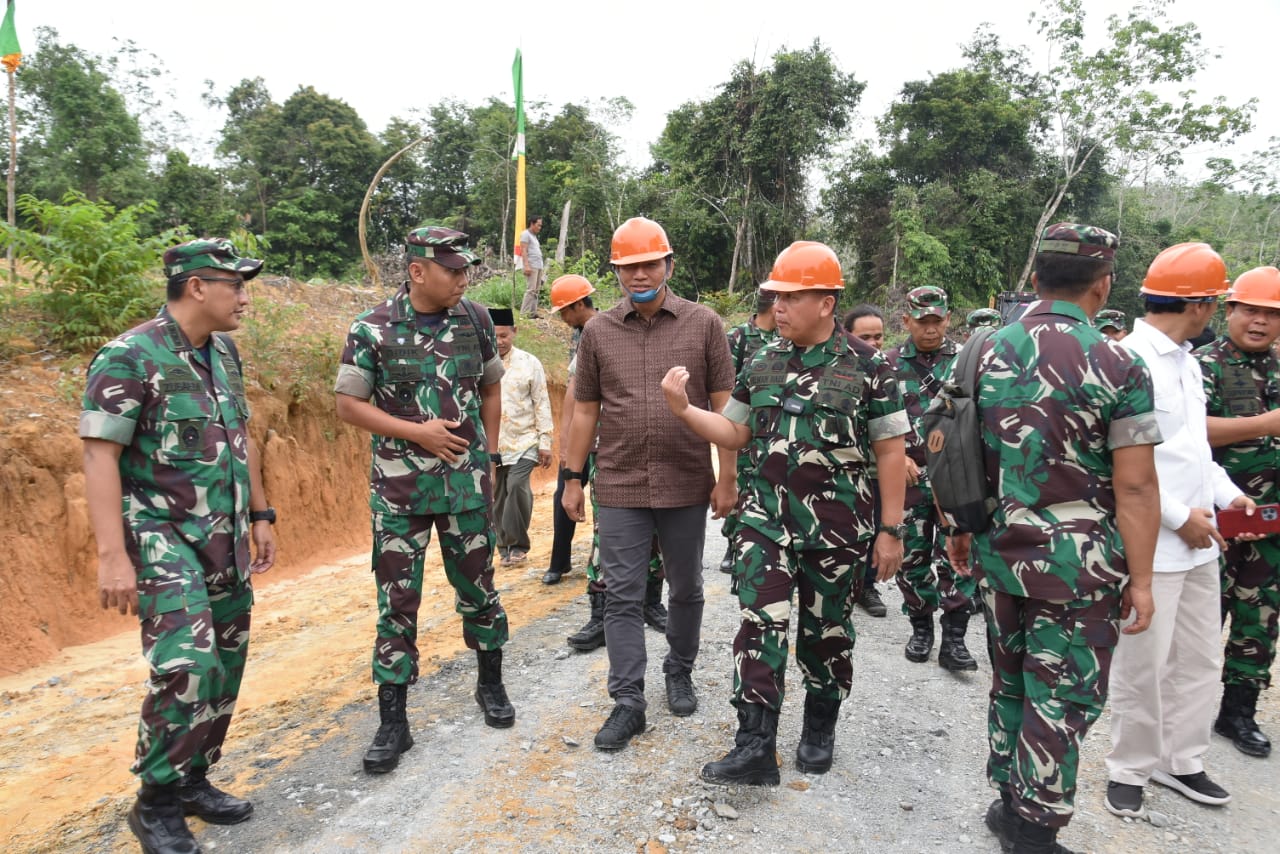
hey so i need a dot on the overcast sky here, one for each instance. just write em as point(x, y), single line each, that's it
point(385, 57)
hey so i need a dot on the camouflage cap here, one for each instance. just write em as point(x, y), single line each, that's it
point(984, 317)
point(217, 253)
point(1110, 317)
point(446, 247)
point(927, 301)
point(1071, 238)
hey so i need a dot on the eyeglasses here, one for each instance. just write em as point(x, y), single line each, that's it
point(237, 283)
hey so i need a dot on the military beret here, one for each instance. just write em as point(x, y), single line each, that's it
point(927, 301)
point(1071, 238)
point(446, 247)
point(217, 253)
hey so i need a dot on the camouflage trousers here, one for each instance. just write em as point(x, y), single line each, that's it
point(595, 579)
point(399, 552)
point(196, 655)
point(768, 574)
point(1050, 665)
point(926, 579)
point(1251, 601)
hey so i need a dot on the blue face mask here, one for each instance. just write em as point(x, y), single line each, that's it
point(646, 296)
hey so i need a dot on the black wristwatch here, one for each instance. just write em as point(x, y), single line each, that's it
point(268, 515)
point(570, 474)
point(898, 531)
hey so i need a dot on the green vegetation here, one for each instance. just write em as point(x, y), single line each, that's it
point(95, 275)
point(962, 170)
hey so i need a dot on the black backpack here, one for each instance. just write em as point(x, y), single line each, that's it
point(953, 446)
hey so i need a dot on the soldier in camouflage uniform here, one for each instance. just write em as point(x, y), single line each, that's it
point(744, 340)
point(165, 435)
point(421, 373)
point(1111, 322)
point(866, 322)
point(1068, 429)
point(980, 317)
point(814, 405)
point(1242, 387)
point(926, 581)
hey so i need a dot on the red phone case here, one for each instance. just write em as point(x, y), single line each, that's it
point(1233, 521)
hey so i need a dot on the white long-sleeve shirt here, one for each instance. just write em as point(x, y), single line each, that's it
point(1184, 461)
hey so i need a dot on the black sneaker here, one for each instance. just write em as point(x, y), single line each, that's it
point(1124, 800)
point(623, 723)
point(655, 615)
point(1198, 787)
point(681, 699)
point(871, 602)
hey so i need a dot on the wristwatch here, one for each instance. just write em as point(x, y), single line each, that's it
point(268, 515)
point(570, 474)
point(898, 531)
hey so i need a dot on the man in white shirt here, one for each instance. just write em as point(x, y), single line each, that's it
point(1164, 681)
point(524, 439)
point(531, 259)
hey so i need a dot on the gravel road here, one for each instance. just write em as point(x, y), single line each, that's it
point(908, 773)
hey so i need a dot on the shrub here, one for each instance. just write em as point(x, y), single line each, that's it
point(95, 276)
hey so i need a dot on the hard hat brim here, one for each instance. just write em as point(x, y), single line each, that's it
point(787, 287)
point(639, 258)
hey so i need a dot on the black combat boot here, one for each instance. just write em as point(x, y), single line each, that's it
point(1002, 820)
point(921, 642)
point(1037, 839)
point(655, 613)
point(818, 737)
point(393, 736)
point(201, 798)
point(156, 819)
point(726, 562)
point(591, 636)
point(753, 761)
point(1236, 720)
point(490, 692)
point(953, 654)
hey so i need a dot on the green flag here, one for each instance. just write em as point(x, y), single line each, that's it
point(9, 34)
point(517, 74)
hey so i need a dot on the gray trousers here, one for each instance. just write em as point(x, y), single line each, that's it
point(513, 505)
point(532, 289)
point(626, 540)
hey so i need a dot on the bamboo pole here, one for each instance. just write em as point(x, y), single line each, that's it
point(369, 266)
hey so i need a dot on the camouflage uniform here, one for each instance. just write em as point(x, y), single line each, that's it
point(416, 369)
point(745, 340)
point(184, 472)
point(806, 519)
point(1055, 397)
point(1242, 384)
point(926, 579)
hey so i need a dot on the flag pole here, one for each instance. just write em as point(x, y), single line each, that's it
point(517, 154)
point(12, 57)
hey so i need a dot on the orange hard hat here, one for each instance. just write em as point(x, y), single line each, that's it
point(1260, 286)
point(1187, 270)
point(568, 289)
point(805, 265)
point(639, 239)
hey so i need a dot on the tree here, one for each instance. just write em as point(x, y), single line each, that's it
point(77, 132)
point(1112, 100)
point(745, 154)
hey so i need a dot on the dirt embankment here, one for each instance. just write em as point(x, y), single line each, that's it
point(315, 470)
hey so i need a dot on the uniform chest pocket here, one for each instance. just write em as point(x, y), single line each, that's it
point(836, 430)
point(469, 365)
point(184, 428)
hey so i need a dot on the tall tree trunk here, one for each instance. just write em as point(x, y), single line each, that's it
point(564, 233)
